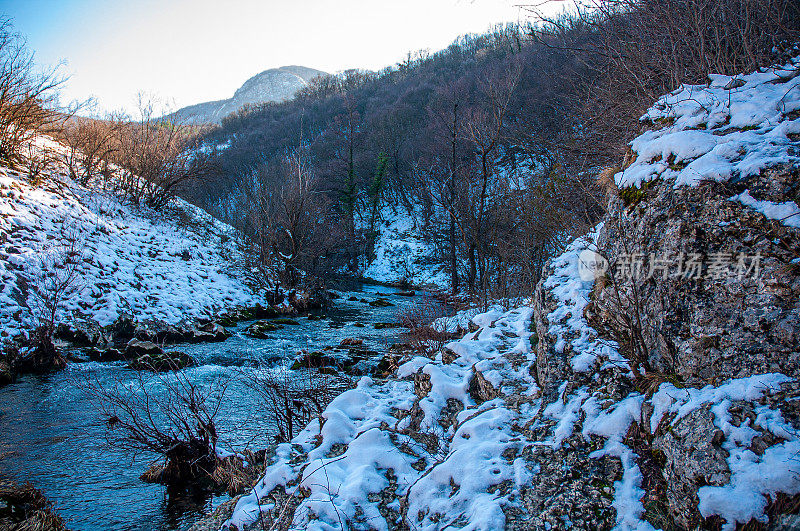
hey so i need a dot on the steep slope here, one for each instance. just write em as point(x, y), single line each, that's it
point(548, 416)
point(165, 266)
point(402, 254)
point(275, 84)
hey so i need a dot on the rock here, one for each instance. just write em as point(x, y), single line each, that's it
point(210, 332)
point(304, 300)
point(260, 329)
point(109, 354)
point(160, 332)
point(261, 312)
point(7, 373)
point(285, 321)
point(352, 298)
point(81, 332)
point(380, 303)
point(136, 348)
point(380, 326)
point(693, 458)
point(313, 360)
point(717, 326)
point(162, 362)
point(480, 389)
point(448, 356)
point(351, 342)
point(358, 325)
point(123, 328)
point(405, 293)
point(386, 367)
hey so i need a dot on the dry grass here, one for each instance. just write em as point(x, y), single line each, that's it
point(420, 334)
point(24, 508)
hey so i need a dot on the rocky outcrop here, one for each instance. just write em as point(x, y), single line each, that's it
point(275, 84)
point(727, 321)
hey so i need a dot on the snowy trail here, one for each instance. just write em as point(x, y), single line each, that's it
point(430, 437)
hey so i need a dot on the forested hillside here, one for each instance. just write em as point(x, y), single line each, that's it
point(491, 148)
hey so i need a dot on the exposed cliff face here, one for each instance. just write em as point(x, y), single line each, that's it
point(729, 320)
point(275, 84)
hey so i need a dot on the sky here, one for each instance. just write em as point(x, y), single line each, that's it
point(189, 51)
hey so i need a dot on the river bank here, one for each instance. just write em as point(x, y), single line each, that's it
point(53, 435)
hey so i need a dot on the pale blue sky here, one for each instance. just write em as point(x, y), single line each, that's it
point(188, 51)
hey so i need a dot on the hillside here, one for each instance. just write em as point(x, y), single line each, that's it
point(548, 416)
point(275, 84)
point(166, 266)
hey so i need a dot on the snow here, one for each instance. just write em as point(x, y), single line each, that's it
point(566, 321)
point(167, 265)
point(787, 213)
point(681, 402)
point(718, 133)
point(459, 464)
point(753, 477)
point(403, 253)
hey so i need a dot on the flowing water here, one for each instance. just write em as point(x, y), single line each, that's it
point(53, 435)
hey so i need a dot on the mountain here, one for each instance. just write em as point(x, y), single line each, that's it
point(275, 84)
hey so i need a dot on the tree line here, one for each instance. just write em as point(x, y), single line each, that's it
point(493, 144)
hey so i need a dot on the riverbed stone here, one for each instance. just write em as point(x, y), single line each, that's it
point(261, 329)
point(209, 332)
point(137, 347)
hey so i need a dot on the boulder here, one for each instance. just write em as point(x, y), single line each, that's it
point(480, 389)
point(380, 303)
point(160, 332)
point(351, 342)
point(123, 328)
point(136, 348)
point(81, 332)
point(285, 321)
point(313, 360)
point(724, 322)
point(109, 354)
point(210, 332)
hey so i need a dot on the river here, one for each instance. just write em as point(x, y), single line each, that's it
point(53, 435)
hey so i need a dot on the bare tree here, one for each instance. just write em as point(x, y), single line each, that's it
point(90, 145)
point(291, 398)
point(289, 215)
point(56, 278)
point(27, 97)
point(158, 157)
point(169, 415)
